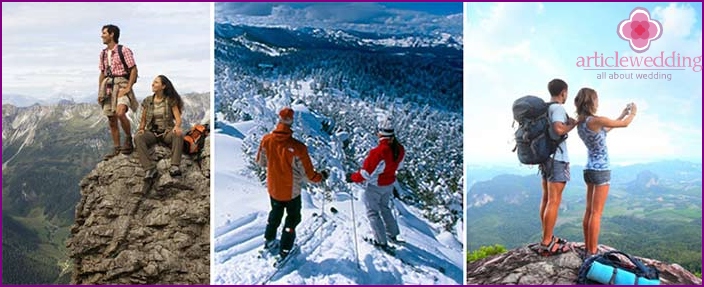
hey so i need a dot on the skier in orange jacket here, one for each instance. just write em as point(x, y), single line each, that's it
point(288, 165)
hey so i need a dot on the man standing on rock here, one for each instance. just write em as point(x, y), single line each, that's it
point(555, 171)
point(118, 73)
point(287, 165)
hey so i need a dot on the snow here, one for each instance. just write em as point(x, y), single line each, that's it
point(262, 48)
point(327, 254)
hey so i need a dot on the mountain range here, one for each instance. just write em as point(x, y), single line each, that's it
point(378, 19)
point(277, 41)
point(420, 69)
point(19, 100)
point(46, 151)
point(660, 201)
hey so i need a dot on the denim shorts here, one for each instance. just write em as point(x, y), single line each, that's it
point(597, 177)
point(555, 171)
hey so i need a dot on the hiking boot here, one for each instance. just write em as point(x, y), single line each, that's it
point(283, 253)
point(128, 147)
point(396, 239)
point(149, 174)
point(387, 248)
point(174, 171)
point(384, 247)
point(114, 153)
point(271, 244)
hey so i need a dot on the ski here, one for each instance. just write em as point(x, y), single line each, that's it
point(398, 242)
point(281, 261)
point(389, 250)
point(278, 265)
point(266, 253)
point(394, 254)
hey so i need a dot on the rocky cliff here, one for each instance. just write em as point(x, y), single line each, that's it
point(524, 267)
point(130, 232)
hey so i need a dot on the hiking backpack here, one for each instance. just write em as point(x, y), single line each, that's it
point(610, 269)
point(122, 59)
point(534, 144)
point(194, 140)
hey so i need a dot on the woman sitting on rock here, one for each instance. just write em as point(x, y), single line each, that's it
point(160, 123)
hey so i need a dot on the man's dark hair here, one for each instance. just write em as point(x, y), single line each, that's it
point(112, 29)
point(556, 86)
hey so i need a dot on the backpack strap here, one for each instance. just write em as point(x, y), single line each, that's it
point(103, 59)
point(634, 261)
point(122, 59)
point(562, 138)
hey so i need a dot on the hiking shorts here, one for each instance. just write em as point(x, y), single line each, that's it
point(597, 177)
point(555, 170)
point(107, 107)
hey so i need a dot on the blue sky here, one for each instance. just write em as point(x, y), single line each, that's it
point(514, 49)
point(51, 49)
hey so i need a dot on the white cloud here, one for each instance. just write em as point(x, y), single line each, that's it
point(50, 47)
point(499, 50)
point(677, 19)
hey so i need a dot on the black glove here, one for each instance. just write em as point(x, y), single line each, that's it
point(348, 177)
point(396, 195)
point(325, 174)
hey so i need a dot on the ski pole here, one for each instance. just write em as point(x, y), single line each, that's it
point(322, 208)
point(354, 230)
point(394, 210)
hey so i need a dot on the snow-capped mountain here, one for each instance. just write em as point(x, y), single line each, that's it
point(277, 41)
point(438, 39)
point(416, 69)
point(331, 247)
point(19, 100)
point(36, 125)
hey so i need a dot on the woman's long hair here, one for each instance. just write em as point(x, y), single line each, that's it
point(395, 148)
point(586, 102)
point(171, 93)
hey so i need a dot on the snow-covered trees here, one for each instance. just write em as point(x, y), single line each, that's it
point(344, 92)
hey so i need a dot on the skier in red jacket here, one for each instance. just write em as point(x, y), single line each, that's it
point(379, 173)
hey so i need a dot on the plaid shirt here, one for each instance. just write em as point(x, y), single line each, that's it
point(116, 65)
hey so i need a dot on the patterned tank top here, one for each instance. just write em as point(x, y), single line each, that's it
point(596, 146)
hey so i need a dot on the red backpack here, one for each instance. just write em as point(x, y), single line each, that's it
point(194, 140)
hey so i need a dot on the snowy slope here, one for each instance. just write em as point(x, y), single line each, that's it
point(430, 256)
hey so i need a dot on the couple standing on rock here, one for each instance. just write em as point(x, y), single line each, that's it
point(160, 121)
point(555, 172)
point(288, 164)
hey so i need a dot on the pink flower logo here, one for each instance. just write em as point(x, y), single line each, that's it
point(639, 30)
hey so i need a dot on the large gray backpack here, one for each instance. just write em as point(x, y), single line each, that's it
point(534, 144)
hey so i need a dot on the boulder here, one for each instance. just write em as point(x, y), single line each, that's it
point(131, 231)
point(522, 266)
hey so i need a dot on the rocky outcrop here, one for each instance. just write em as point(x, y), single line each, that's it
point(130, 232)
point(522, 266)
